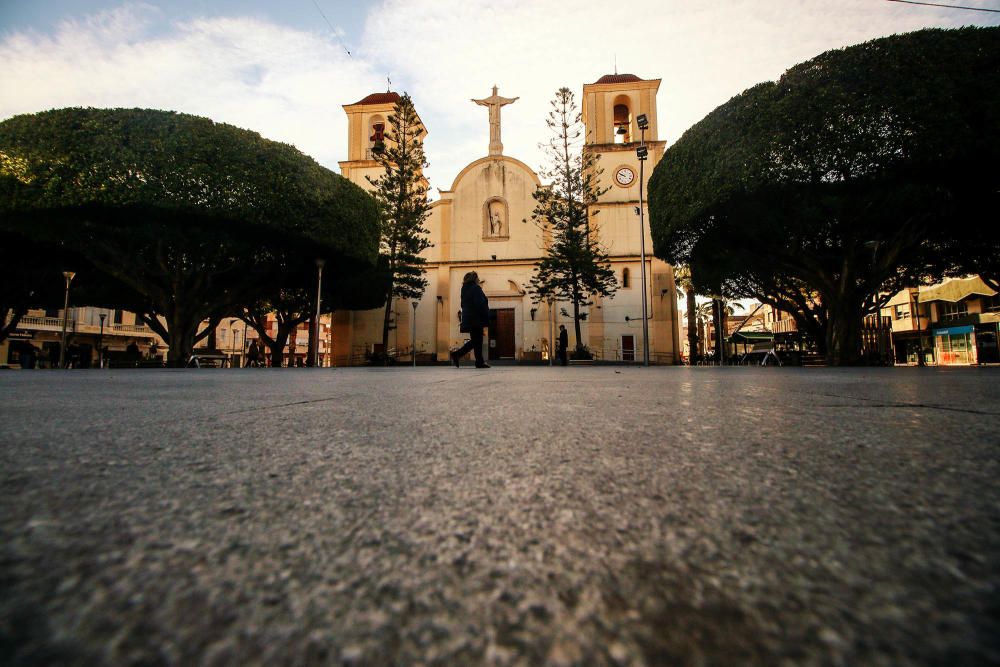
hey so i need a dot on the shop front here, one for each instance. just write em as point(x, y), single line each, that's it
point(955, 346)
point(909, 345)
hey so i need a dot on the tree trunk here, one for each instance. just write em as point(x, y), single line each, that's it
point(692, 317)
point(313, 340)
point(15, 313)
point(182, 331)
point(843, 332)
point(385, 329)
point(576, 326)
point(293, 346)
point(717, 325)
point(277, 346)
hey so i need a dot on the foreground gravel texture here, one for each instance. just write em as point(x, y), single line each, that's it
point(515, 516)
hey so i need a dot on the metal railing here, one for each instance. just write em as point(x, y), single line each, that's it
point(55, 324)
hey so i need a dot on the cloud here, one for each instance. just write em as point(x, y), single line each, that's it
point(289, 84)
point(284, 83)
point(446, 53)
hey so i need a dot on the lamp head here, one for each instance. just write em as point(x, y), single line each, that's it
point(642, 152)
point(642, 121)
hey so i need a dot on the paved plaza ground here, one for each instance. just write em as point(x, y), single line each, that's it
point(513, 516)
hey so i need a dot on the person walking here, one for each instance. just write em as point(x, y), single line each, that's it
point(253, 355)
point(475, 316)
point(563, 345)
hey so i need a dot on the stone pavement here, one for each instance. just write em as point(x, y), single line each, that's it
point(514, 516)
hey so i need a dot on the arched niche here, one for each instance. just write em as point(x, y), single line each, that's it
point(496, 219)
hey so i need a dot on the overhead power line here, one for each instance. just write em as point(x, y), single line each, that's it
point(937, 4)
point(332, 29)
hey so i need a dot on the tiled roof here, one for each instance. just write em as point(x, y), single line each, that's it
point(618, 78)
point(380, 98)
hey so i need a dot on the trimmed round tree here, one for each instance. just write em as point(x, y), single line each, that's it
point(858, 173)
point(195, 218)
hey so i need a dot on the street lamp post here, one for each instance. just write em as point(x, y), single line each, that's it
point(232, 345)
point(232, 342)
point(642, 153)
point(100, 342)
point(413, 332)
point(68, 275)
point(915, 293)
point(319, 291)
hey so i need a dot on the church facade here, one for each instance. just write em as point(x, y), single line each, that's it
point(483, 223)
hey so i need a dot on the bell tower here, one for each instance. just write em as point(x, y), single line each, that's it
point(611, 109)
point(367, 124)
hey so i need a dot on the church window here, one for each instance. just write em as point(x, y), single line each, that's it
point(623, 124)
point(626, 279)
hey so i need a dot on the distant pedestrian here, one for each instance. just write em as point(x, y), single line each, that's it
point(563, 345)
point(475, 316)
point(253, 355)
point(28, 356)
point(132, 353)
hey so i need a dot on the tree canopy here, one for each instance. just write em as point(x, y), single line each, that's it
point(196, 217)
point(857, 173)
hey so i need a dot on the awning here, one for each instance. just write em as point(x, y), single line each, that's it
point(953, 331)
point(751, 337)
point(955, 290)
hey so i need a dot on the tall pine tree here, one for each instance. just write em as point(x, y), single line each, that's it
point(401, 193)
point(575, 267)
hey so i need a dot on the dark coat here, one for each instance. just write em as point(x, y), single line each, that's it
point(563, 339)
point(475, 307)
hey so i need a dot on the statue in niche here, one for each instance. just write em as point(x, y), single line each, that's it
point(496, 220)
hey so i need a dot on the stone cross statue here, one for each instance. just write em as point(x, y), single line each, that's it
point(494, 103)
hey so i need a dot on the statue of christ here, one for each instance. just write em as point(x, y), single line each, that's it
point(494, 103)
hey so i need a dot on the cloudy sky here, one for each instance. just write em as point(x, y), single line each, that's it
point(284, 68)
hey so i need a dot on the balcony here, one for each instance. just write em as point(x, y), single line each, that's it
point(54, 324)
point(43, 323)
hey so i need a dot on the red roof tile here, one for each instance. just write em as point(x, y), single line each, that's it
point(380, 98)
point(618, 78)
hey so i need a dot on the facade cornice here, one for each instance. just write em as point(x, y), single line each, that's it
point(623, 148)
point(625, 85)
